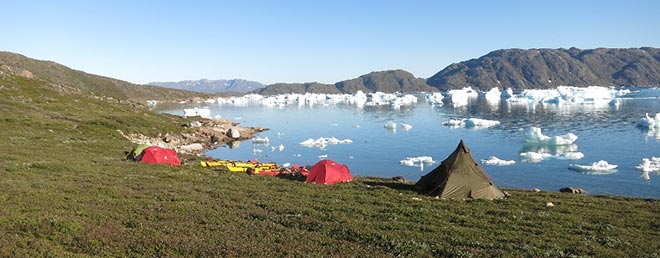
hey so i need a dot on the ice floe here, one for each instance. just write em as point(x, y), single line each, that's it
point(459, 98)
point(536, 153)
point(599, 167)
point(649, 165)
point(534, 135)
point(420, 161)
point(567, 95)
point(262, 141)
point(471, 123)
point(323, 142)
point(406, 127)
point(434, 98)
point(390, 125)
point(278, 148)
point(203, 112)
point(495, 161)
point(649, 122)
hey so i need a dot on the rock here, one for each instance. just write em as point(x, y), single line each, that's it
point(572, 190)
point(192, 148)
point(549, 204)
point(233, 133)
point(399, 179)
point(537, 190)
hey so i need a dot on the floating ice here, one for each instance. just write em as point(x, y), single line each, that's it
point(471, 123)
point(649, 165)
point(495, 161)
point(286, 165)
point(435, 98)
point(390, 125)
point(323, 142)
point(459, 98)
point(534, 135)
point(203, 112)
point(599, 167)
point(406, 127)
point(417, 161)
point(649, 122)
point(570, 155)
point(493, 95)
point(568, 94)
point(258, 140)
point(534, 156)
point(278, 148)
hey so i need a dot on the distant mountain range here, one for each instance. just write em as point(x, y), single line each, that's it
point(549, 68)
point(213, 86)
point(507, 68)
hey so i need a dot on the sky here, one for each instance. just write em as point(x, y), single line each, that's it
point(307, 41)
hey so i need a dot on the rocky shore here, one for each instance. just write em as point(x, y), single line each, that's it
point(201, 136)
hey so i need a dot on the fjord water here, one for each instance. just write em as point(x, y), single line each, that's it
point(605, 133)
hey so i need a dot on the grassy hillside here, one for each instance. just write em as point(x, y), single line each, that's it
point(89, 83)
point(66, 190)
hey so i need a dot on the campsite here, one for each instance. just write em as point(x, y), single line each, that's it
point(98, 203)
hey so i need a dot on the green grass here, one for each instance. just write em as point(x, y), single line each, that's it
point(66, 190)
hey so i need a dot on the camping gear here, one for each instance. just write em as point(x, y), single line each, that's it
point(158, 155)
point(252, 167)
point(135, 153)
point(328, 172)
point(459, 177)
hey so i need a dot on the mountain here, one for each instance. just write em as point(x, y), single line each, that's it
point(213, 86)
point(385, 81)
point(549, 68)
point(65, 78)
point(300, 88)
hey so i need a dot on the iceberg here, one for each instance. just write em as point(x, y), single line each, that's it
point(202, 112)
point(493, 95)
point(406, 127)
point(323, 142)
point(495, 161)
point(417, 161)
point(434, 98)
point(649, 122)
point(475, 123)
point(459, 98)
point(567, 94)
point(390, 125)
point(534, 157)
point(599, 167)
point(534, 135)
point(258, 140)
point(649, 165)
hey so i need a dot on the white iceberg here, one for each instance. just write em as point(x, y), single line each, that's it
point(202, 112)
point(417, 161)
point(534, 157)
point(570, 155)
point(258, 140)
point(599, 167)
point(495, 161)
point(649, 165)
point(459, 98)
point(534, 135)
point(568, 94)
point(390, 125)
point(323, 142)
point(493, 95)
point(435, 98)
point(406, 127)
point(471, 123)
point(649, 122)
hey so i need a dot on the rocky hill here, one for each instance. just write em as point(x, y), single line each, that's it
point(549, 68)
point(300, 88)
point(213, 86)
point(62, 77)
point(384, 81)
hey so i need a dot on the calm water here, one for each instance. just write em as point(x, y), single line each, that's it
point(605, 133)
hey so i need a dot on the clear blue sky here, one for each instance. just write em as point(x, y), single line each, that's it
point(304, 41)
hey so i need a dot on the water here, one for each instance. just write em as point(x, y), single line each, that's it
point(605, 133)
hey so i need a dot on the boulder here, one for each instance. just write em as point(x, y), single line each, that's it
point(572, 190)
point(233, 133)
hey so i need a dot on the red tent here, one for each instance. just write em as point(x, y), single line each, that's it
point(155, 154)
point(328, 172)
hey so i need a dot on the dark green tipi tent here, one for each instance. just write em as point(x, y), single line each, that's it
point(459, 177)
